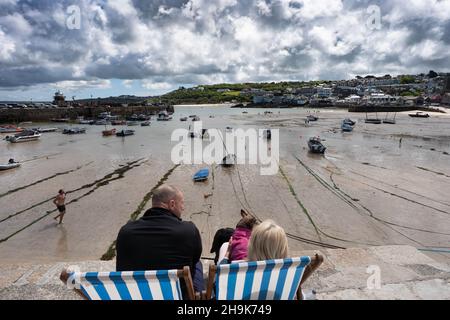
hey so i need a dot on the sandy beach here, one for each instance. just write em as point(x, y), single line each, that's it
point(370, 188)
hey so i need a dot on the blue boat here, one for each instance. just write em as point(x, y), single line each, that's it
point(346, 127)
point(201, 175)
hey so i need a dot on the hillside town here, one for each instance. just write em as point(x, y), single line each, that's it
point(431, 89)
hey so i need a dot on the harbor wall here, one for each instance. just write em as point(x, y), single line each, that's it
point(45, 115)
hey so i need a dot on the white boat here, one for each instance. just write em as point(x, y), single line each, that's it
point(10, 165)
point(24, 136)
point(164, 116)
point(45, 130)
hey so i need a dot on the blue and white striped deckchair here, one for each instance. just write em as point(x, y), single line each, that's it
point(261, 280)
point(130, 285)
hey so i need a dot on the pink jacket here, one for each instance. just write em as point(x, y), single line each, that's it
point(239, 246)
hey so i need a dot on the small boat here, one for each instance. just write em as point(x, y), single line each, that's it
point(90, 122)
point(24, 136)
point(74, 130)
point(45, 130)
point(164, 116)
point(107, 133)
point(373, 121)
point(10, 129)
point(346, 127)
point(315, 145)
point(145, 124)
point(419, 115)
point(245, 112)
point(388, 121)
point(118, 122)
point(201, 175)
point(63, 120)
point(124, 133)
point(192, 116)
point(229, 128)
point(349, 122)
point(196, 118)
point(312, 118)
point(211, 117)
point(10, 165)
point(229, 160)
point(184, 119)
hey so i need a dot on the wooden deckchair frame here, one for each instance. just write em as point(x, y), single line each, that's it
point(184, 273)
point(315, 263)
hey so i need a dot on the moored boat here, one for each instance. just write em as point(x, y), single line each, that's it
point(107, 133)
point(419, 115)
point(145, 124)
point(74, 130)
point(346, 127)
point(10, 129)
point(315, 145)
point(10, 165)
point(24, 136)
point(312, 118)
point(124, 133)
point(201, 175)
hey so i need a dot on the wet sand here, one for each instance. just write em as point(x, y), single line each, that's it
point(368, 189)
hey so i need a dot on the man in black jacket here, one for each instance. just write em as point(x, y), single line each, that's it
point(160, 240)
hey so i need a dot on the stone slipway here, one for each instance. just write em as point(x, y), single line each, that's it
point(405, 273)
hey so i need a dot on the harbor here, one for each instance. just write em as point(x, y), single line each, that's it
point(378, 185)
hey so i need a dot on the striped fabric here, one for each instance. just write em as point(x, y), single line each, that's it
point(260, 280)
point(138, 285)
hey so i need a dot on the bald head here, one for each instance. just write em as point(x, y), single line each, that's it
point(168, 197)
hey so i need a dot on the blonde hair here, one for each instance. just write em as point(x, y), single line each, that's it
point(268, 241)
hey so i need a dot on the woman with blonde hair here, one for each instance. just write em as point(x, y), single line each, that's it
point(268, 241)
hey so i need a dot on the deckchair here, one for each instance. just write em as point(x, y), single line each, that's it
point(130, 285)
point(261, 280)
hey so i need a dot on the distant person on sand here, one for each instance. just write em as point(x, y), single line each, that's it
point(59, 201)
point(161, 240)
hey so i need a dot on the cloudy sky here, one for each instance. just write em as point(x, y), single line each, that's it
point(148, 47)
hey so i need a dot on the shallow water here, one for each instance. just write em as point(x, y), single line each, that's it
point(368, 189)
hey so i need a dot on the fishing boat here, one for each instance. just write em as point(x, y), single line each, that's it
point(419, 115)
point(74, 130)
point(145, 124)
point(10, 165)
point(349, 122)
point(315, 145)
point(24, 136)
point(229, 160)
point(10, 129)
point(346, 127)
point(107, 133)
point(118, 122)
point(373, 121)
point(164, 116)
point(124, 133)
point(201, 175)
point(312, 118)
point(45, 130)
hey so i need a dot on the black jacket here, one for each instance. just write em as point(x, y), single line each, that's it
point(158, 241)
